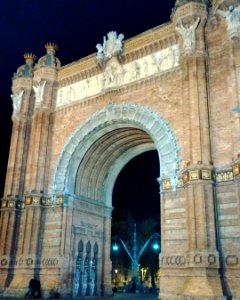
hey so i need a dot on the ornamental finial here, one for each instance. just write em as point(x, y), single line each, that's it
point(49, 60)
point(27, 69)
point(51, 46)
point(29, 56)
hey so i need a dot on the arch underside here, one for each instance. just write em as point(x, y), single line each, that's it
point(97, 151)
point(106, 157)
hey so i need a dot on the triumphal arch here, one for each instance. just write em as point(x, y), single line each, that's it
point(175, 89)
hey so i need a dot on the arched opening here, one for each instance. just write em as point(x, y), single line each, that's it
point(90, 163)
point(136, 188)
point(136, 201)
point(139, 119)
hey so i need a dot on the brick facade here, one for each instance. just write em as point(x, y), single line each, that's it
point(173, 89)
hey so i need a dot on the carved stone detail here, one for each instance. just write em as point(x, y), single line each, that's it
point(39, 92)
point(232, 260)
point(164, 139)
point(232, 17)
point(111, 46)
point(17, 101)
point(204, 174)
point(187, 33)
point(116, 76)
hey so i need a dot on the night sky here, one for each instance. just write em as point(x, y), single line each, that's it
point(76, 26)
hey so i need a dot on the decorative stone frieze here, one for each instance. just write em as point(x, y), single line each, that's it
point(12, 204)
point(117, 75)
point(223, 175)
point(29, 262)
point(232, 260)
point(186, 260)
point(205, 174)
point(87, 229)
point(190, 175)
point(34, 200)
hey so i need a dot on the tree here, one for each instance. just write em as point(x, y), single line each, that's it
point(148, 227)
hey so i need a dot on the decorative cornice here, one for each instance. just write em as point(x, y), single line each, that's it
point(31, 201)
point(189, 8)
point(108, 95)
point(192, 175)
point(157, 38)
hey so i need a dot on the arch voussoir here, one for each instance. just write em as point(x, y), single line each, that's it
point(110, 117)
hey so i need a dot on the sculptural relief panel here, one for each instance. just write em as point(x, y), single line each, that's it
point(116, 75)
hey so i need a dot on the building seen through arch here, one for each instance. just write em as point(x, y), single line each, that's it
point(173, 89)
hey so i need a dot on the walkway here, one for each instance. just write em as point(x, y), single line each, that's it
point(117, 296)
point(125, 296)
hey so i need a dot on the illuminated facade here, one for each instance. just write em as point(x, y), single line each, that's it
point(175, 89)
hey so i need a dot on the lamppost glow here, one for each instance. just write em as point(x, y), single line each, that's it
point(156, 246)
point(134, 253)
point(115, 247)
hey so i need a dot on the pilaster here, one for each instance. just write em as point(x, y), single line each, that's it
point(233, 79)
point(40, 141)
point(189, 20)
point(190, 260)
point(20, 136)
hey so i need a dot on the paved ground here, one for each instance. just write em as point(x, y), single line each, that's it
point(117, 296)
point(126, 296)
point(135, 296)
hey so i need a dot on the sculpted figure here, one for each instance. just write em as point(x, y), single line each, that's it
point(232, 16)
point(27, 69)
point(16, 101)
point(111, 46)
point(39, 90)
point(50, 60)
point(188, 34)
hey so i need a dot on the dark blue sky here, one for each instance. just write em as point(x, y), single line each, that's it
point(75, 25)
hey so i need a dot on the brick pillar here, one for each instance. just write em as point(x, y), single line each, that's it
point(190, 259)
point(40, 139)
point(20, 137)
point(12, 201)
point(233, 79)
point(195, 90)
point(105, 261)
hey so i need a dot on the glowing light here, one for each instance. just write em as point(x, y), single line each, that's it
point(155, 246)
point(115, 247)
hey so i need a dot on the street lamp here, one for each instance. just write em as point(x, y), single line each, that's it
point(115, 247)
point(135, 254)
point(156, 246)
